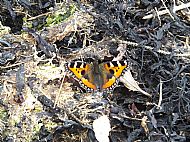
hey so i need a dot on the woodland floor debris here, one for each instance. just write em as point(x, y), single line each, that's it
point(40, 101)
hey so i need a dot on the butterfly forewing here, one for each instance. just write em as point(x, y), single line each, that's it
point(116, 67)
point(79, 69)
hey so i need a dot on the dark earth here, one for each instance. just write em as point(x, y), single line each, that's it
point(40, 101)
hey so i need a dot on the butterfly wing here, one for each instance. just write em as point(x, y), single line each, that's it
point(82, 71)
point(113, 71)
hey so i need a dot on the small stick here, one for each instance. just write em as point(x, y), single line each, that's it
point(168, 11)
point(151, 48)
point(58, 95)
point(162, 12)
point(11, 65)
point(160, 95)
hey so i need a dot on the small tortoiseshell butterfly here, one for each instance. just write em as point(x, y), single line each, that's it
point(95, 76)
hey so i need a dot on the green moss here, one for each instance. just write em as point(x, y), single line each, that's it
point(59, 17)
point(3, 114)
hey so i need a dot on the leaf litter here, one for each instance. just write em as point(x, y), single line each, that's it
point(40, 101)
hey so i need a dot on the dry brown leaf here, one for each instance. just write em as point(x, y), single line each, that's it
point(144, 124)
point(129, 82)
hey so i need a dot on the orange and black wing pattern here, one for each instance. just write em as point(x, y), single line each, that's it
point(99, 77)
point(82, 71)
point(113, 71)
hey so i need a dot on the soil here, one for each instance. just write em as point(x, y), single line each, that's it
point(42, 100)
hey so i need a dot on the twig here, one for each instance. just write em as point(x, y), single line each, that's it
point(175, 8)
point(151, 48)
point(160, 95)
point(182, 6)
point(158, 16)
point(61, 86)
point(127, 117)
point(38, 16)
point(11, 65)
point(168, 11)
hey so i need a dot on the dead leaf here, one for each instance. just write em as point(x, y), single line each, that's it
point(144, 124)
point(129, 82)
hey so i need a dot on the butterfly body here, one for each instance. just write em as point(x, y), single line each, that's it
point(97, 77)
